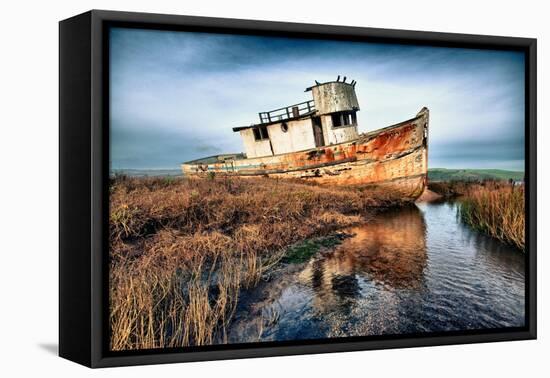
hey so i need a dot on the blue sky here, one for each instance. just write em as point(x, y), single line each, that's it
point(176, 95)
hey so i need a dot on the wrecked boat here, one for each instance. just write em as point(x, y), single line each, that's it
point(318, 141)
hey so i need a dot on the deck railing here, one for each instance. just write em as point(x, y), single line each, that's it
point(292, 111)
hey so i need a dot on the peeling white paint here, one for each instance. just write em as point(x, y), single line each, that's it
point(298, 134)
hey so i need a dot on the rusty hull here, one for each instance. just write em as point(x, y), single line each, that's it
point(394, 159)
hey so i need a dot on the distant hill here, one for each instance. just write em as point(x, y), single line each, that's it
point(147, 172)
point(443, 174)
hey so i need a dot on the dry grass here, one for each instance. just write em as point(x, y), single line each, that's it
point(182, 249)
point(496, 209)
point(451, 189)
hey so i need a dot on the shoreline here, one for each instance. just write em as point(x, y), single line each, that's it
point(494, 208)
point(188, 248)
point(381, 257)
point(220, 233)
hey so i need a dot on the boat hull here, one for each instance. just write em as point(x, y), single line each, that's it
point(392, 160)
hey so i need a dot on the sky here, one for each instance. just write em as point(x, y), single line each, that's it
point(175, 96)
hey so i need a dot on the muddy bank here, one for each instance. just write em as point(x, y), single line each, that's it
point(429, 196)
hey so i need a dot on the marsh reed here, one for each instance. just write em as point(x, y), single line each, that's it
point(497, 210)
point(494, 207)
point(181, 250)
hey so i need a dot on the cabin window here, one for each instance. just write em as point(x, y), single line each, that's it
point(336, 120)
point(344, 119)
point(284, 127)
point(354, 118)
point(260, 133)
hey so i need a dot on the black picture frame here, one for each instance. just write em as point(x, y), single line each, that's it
point(84, 169)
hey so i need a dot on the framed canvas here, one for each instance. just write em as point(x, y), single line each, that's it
point(236, 188)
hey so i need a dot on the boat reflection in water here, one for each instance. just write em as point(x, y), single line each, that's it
point(411, 270)
point(390, 251)
point(350, 290)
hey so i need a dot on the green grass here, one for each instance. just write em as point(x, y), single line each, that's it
point(444, 174)
point(303, 251)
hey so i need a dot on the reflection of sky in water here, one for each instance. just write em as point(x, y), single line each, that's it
point(175, 96)
point(411, 270)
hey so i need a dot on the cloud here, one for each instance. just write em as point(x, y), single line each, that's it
point(176, 95)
